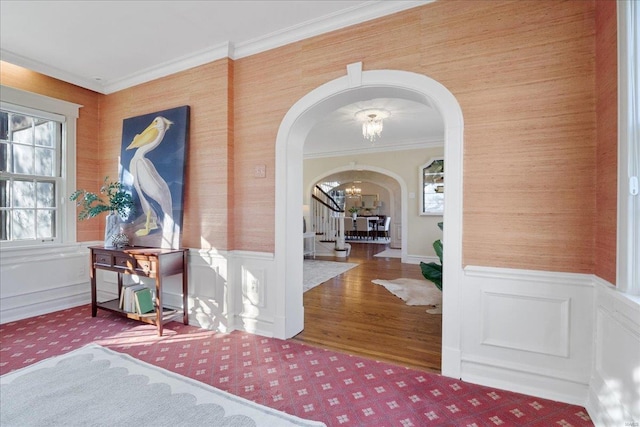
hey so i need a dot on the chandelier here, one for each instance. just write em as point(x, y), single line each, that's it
point(353, 191)
point(372, 122)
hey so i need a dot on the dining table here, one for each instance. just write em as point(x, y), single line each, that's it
point(372, 225)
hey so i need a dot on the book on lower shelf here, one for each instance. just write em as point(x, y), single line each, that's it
point(144, 302)
point(127, 297)
point(138, 299)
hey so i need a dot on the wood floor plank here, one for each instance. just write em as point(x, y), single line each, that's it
point(349, 313)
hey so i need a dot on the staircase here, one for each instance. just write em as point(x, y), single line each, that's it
point(327, 222)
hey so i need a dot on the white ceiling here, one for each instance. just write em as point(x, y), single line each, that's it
point(124, 43)
point(107, 46)
point(411, 125)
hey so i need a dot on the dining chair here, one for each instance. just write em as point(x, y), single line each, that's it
point(385, 227)
point(349, 226)
point(363, 227)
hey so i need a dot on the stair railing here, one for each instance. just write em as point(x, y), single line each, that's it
point(326, 217)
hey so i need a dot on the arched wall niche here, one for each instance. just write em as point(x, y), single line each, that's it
point(359, 85)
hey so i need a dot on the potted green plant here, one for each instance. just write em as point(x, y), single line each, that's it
point(112, 199)
point(432, 271)
point(353, 211)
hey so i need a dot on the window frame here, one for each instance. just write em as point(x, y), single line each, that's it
point(422, 211)
point(67, 113)
point(628, 250)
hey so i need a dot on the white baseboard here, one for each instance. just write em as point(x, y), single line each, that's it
point(417, 259)
point(451, 362)
point(524, 379)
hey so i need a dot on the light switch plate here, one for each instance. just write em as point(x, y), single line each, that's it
point(260, 171)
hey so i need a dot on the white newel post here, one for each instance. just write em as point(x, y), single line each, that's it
point(340, 234)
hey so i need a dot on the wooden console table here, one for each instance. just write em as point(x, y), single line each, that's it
point(154, 263)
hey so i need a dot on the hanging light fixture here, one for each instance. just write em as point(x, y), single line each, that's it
point(372, 122)
point(353, 191)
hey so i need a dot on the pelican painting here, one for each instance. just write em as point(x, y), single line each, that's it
point(147, 181)
point(155, 164)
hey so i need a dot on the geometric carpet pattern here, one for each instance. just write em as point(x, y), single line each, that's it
point(322, 385)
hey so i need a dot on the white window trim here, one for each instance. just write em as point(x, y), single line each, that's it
point(68, 113)
point(421, 209)
point(628, 264)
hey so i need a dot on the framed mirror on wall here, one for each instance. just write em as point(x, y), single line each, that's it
point(431, 175)
point(369, 201)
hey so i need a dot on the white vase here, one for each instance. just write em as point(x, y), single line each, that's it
point(110, 229)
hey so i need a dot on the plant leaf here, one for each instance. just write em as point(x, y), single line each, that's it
point(437, 246)
point(432, 272)
point(91, 204)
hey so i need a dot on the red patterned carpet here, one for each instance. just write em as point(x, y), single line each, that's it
point(337, 389)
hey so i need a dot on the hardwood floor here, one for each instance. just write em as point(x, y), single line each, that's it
point(350, 314)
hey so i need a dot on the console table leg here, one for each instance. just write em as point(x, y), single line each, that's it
point(159, 306)
point(185, 289)
point(94, 298)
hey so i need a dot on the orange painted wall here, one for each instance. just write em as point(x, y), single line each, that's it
point(523, 71)
point(208, 202)
point(524, 74)
point(87, 144)
point(607, 140)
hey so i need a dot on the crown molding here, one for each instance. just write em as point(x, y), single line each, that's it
point(50, 71)
point(354, 15)
point(357, 14)
point(186, 62)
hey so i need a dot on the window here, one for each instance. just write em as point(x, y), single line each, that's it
point(628, 277)
point(37, 151)
point(30, 148)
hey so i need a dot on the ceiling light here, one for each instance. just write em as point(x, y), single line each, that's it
point(353, 191)
point(372, 122)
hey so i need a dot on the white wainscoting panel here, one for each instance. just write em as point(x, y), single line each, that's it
point(528, 331)
point(35, 281)
point(543, 321)
point(614, 390)
point(254, 281)
point(227, 290)
point(210, 293)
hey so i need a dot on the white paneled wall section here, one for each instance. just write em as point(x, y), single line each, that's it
point(36, 281)
point(227, 290)
point(528, 331)
point(614, 392)
point(562, 336)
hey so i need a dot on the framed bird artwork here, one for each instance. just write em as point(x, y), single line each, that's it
point(152, 170)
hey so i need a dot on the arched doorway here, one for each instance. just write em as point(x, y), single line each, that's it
point(289, 316)
point(396, 186)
